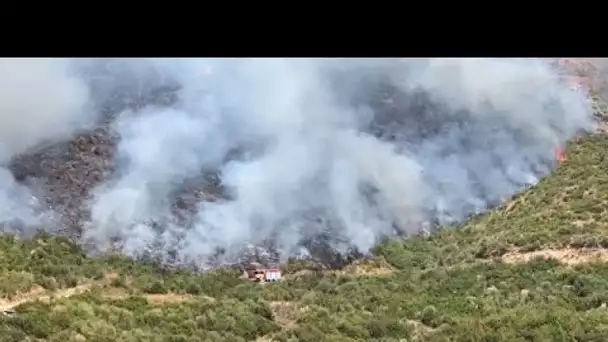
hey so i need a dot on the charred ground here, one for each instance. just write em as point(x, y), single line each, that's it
point(64, 174)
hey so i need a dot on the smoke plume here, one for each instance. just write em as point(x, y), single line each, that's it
point(41, 102)
point(355, 149)
point(347, 149)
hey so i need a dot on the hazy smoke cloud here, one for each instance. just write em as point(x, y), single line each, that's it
point(41, 102)
point(348, 149)
point(354, 148)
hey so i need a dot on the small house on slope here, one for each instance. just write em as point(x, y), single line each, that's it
point(262, 274)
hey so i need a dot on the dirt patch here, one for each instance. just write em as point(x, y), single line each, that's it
point(566, 256)
point(363, 272)
point(166, 298)
point(420, 331)
point(111, 275)
point(39, 294)
point(154, 299)
point(369, 271)
point(35, 291)
point(264, 339)
point(362, 268)
point(367, 268)
point(68, 292)
point(582, 223)
point(114, 293)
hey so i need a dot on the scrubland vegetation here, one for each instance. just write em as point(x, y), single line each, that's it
point(532, 270)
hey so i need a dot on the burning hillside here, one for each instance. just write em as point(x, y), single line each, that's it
point(196, 160)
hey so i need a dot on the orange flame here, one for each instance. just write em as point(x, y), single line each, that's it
point(560, 155)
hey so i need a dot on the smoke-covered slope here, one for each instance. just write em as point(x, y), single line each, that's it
point(479, 282)
point(192, 160)
point(456, 285)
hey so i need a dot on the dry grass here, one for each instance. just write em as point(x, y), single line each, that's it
point(349, 271)
point(110, 275)
point(566, 256)
point(160, 299)
point(420, 331)
point(35, 292)
point(285, 313)
point(367, 269)
point(114, 293)
point(377, 267)
point(40, 294)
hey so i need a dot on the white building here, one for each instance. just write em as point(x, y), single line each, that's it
point(272, 274)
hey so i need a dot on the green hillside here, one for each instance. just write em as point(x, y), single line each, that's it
point(490, 280)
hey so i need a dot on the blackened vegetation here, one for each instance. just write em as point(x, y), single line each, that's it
point(67, 172)
point(398, 115)
point(403, 117)
point(206, 187)
point(322, 252)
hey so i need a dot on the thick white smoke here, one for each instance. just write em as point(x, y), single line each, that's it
point(353, 149)
point(448, 138)
point(41, 102)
